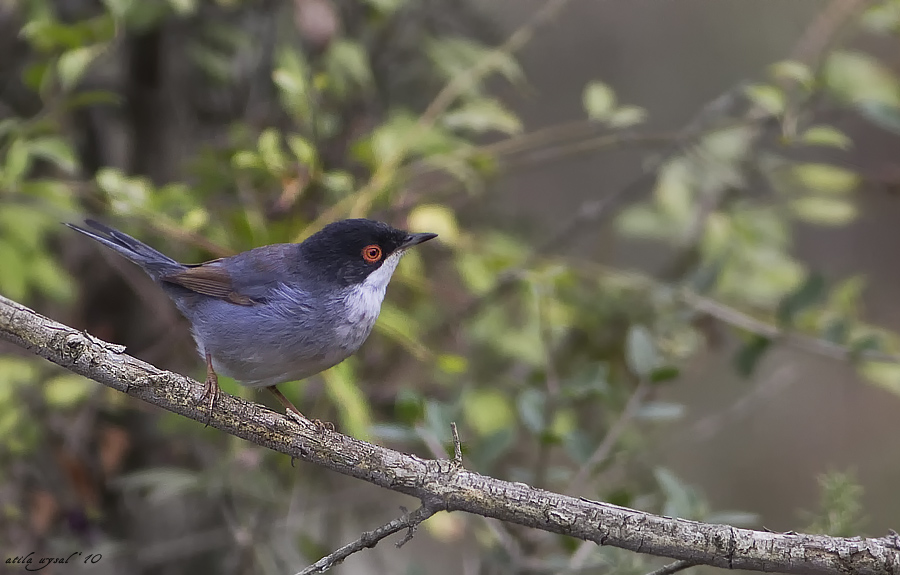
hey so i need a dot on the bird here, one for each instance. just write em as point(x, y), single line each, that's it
point(280, 312)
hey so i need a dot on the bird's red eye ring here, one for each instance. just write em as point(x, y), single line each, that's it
point(372, 253)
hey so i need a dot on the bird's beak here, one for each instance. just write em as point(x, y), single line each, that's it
point(416, 239)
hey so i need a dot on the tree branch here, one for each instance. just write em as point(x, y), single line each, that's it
point(442, 484)
point(369, 539)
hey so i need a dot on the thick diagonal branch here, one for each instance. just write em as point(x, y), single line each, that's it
point(443, 484)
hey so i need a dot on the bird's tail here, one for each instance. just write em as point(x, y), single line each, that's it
point(152, 261)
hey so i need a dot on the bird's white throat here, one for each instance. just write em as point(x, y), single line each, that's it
point(363, 301)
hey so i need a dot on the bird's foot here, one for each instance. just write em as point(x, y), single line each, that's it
point(303, 420)
point(210, 394)
point(323, 425)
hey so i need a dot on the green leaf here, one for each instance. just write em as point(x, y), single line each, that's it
point(386, 7)
point(793, 70)
point(825, 178)
point(836, 331)
point(680, 498)
point(37, 75)
point(643, 221)
point(599, 100)
point(824, 211)
point(348, 67)
point(826, 136)
point(750, 353)
point(626, 116)
point(350, 401)
point(661, 411)
point(437, 219)
point(292, 78)
point(665, 373)
point(7, 125)
point(810, 292)
point(184, 7)
point(216, 63)
point(67, 390)
point(18, 161)
point(858, 77)
point(126, 194)
point(866, 343)
point(397, 325)
point(56, 150)
point(456, 56)
point(409, 406)
point(530, 404)
point(481, 116)
point(487, 411)
point(73, 64)
point(15, 371)
point(338, 181)
point(452, 364)
point(886, 116)
point(844, 298)
point(883, 374)
point(883, 17)
point(768, 97)
point(302, 149)
point(640, 351)
point(491, 448)
point(674, 193)
point(246, 159)
point(48, 277)
point(270, 151)
point(118, 8)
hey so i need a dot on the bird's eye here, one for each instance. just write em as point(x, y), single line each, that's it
point(371, 253)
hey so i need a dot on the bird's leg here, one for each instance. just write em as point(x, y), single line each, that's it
point(211, 393)
point(294, 413)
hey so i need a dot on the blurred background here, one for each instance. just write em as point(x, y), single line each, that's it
point(666, 274)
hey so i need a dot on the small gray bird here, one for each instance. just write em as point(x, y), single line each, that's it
point(281, 312)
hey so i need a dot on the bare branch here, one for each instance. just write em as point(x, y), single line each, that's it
point(671, 568)
point(612, 436)
point(369, 539)
point(443, 485)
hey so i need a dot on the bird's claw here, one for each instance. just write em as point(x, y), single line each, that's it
point(323, 425)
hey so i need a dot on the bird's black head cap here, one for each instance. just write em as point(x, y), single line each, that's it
point(346, 252)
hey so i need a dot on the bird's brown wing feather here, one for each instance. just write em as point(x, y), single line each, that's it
point(210, 280)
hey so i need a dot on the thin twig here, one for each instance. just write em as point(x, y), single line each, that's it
point(457, 447)
point(615, 432)
point(819, 35)
point(578, 559)
point(369, 539)
point(461, 83)
point(671, 568)
point(801, 341)
point(741, 320)
point(551, 402)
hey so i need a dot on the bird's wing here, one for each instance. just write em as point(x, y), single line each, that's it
point(208, 279)
point(244, 279)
